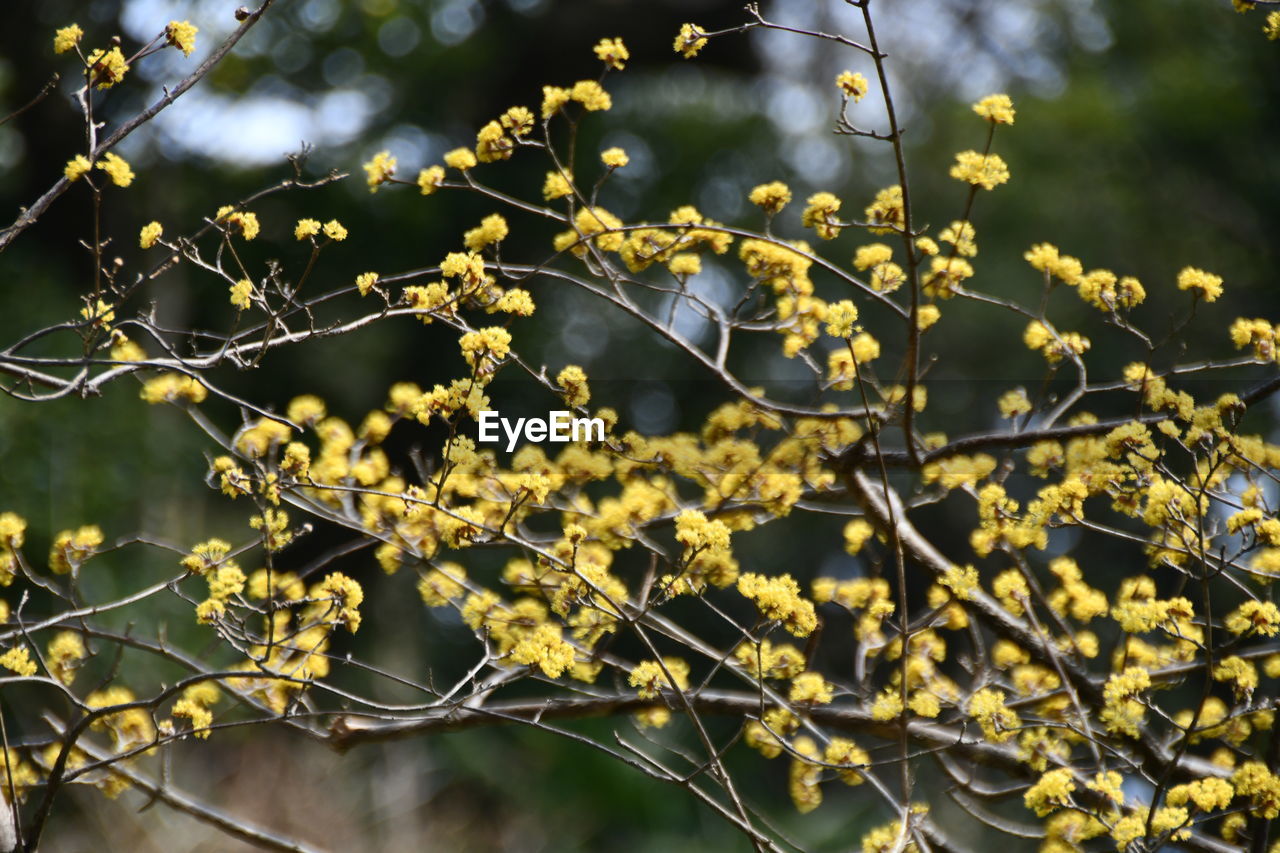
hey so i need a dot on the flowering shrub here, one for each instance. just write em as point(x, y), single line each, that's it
point(1132, 710)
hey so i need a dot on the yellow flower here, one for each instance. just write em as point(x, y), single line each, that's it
point(365, 282)
point(492, 229)
point(492, 144)
point(106, 68)
point(200, 717)
point(574, 382)
point(72, 547)
point(961, 581)
point(18, 660)
point(117, 169)
point(613, 53)
point(962, 235)
point(770, 197)
point(1051, 791)
point(1206, 285)
point(123, 349)
point(591, 95)
point(614, 158)
point(553, 98)
point(67, 38)
point(1014, 403)
point(810, 687)
point(182, 35)
point(865, 348)
point(689, 41)
point(779, 598)
point(887, 210)
point(64, 654)
point(821, 215)
point(998, 722)
point(241, 291)
point(852, 85)
point(650, 679)
point(517, 120)
point(997, 109)
point(306, 228)
point(99, 314)
point(150, 234)
point(888, 704)
point(460, 159)
point(1254, 617)
point(986, 171)
point(77, 167)
point(334, 231)
point(173, 388)
point(347, 596)
point(557, 185)
point(379, 170)
point(430, 178)
point(1271, 29)
point(1207, 794)
point(242, 220)
point(840, 318)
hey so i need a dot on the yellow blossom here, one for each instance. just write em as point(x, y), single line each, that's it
point(430, 178)
point(242, 293)
point(840, 318)
point(492, 229)
point(821, 215)
point(650, 679)
point(77, 167)
point(997, 109)
point(591, 95)
point(182, 35)
point(1053, 790)
point(998, 722)
point(106, 68)
point(779, 598)
point(574, 382)
point(1205, 285)
point(116, 168)
point(553, 98)
point(887, 211)
point(18, 660)
point(517, 120)
point(149, 234)
point(689, 40)
point(306, 228)
point(379, 170)
point(492, 144)
point(1254, 617)
point(770, 197)
point(64, 654)
point(67, 38)
point(461, 159)
point(982, 170)
point(613, 53)
point(810, 687)
point(614, 158)
point(557, 185)
point(239, 220)
point(852, 85)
